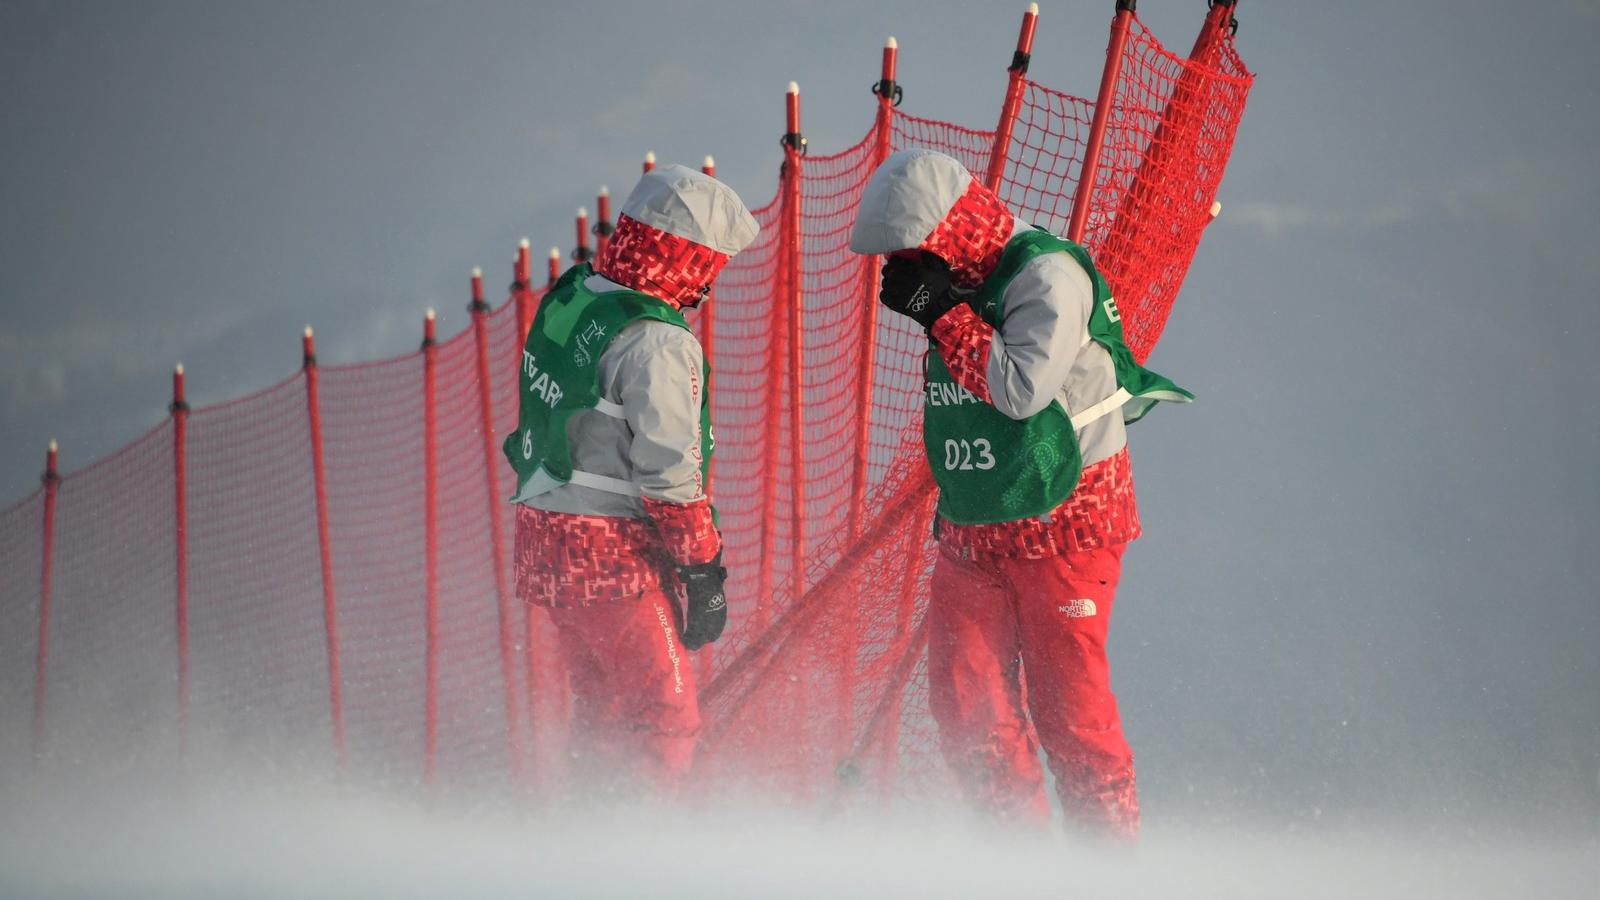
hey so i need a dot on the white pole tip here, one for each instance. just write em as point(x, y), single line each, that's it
point(178, 368)
point(710, 162)
point(1216, 208)
point(1033, 9)
point(555, 252)
point(477, 271)
point(583, 212)
point(605, 191)
point(650, 157)
point(794, 87)
point(891, 43)
point(53, 447)
point(430, 314)
point(308, 331)
point(524, 244)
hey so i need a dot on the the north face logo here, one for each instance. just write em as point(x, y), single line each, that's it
point(1081, 608)
point(919, 300)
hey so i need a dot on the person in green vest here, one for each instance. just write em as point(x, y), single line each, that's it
point(614, 532)
point(1028, 391)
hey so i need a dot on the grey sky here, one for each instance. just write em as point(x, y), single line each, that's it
point(1368, 580)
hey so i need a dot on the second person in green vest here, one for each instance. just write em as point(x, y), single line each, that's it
point(615, 532)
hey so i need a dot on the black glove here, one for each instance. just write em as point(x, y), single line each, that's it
point(919, 288)
point(705, 606)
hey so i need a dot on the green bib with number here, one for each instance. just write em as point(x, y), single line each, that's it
point(993, 468)
point(560, 377)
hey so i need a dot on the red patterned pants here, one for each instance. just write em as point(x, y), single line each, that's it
point(988, 623)
point(635, 712)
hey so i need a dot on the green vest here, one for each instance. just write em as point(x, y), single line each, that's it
point(993, 468)
point(560, 377)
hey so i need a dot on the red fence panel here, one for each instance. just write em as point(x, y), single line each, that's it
point(113, 654)
point(257, 644)
point(789, 382)
point(372, 442)
point(21, 549)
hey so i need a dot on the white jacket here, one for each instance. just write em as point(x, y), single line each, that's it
point(1042, 351)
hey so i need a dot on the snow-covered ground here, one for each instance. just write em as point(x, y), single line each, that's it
point(309, 841)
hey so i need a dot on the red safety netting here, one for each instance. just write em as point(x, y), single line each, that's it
point(856, 724)
point(818, 689)
point(21, 551)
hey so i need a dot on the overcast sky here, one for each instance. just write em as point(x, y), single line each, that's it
point(1369, 579)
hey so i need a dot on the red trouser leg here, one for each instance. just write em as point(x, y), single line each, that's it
point(973, 690)
point(1064, 611)
point(636, 714)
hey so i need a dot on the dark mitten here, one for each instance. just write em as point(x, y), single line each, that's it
point(919, 288)
point(705, 605)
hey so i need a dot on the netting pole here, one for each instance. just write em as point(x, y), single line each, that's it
point(708, 344)
point(794, 145)
point(769, 440)
point(708, 317)
point(42, 658)
point(649, 161)
point(522, 294)
point(1103, 102)
point(582, 253)
point(491, 479)
point(330, 618)
point(888, 93)
point(430, 543)
point(602, 227)
point(1013, 102)
point(1177, 115)
point(180, 504)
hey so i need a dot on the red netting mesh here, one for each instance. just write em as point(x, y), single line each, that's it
point(1167, 142)
point(818, 689)
point(21, 550)
point(257, 646)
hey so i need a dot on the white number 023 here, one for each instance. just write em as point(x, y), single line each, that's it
point(958, 455)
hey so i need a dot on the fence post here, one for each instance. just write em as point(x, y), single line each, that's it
point(708, 345)
point(708, 329)
point(602, 227)
point(1013, 101)
point(1103, 102)
point(794, 144)
point(430, 542)
point(180, 502)
point(491, 476)
point(330, 617)
point(42, 657)
point(522, 293)
point(582, 253)
point(1125, 224)
point(889, 93)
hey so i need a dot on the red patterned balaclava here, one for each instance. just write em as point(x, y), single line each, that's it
point(676, 231)
point(972, 235)
point(663, 265)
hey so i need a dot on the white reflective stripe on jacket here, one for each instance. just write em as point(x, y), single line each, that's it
point(646, 431)
point(1042, 351)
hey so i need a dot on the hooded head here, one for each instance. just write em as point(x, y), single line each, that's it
point(675, 232)
point(924, 200)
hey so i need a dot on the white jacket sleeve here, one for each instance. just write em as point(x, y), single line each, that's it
point(657, 375)
point(1045, 322)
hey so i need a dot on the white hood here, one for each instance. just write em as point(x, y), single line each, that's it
point(905, 199)
point(678, 200)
